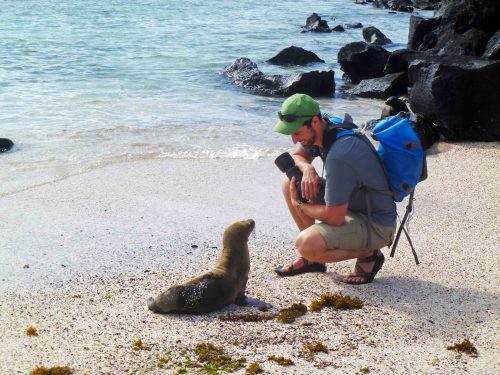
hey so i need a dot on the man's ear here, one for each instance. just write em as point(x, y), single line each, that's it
point(316, 120)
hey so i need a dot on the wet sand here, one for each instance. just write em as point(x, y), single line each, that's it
point(79, 257)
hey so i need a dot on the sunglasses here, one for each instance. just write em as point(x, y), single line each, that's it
point(292, 118)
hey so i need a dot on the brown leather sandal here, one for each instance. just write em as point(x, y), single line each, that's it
point(307, 267)
point(368, 277)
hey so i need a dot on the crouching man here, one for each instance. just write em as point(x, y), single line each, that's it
point(354, 185)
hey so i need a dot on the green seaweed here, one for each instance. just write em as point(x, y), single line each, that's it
point(364, 370)
point(281, 360)
point(250, 317)
point(289, 314)
point(464, 347)
point(214, 359)
point(253, 369)
point(337, 301)
point(57, 370)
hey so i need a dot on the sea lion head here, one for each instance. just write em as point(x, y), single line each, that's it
point(236, 235)
point(167, 301)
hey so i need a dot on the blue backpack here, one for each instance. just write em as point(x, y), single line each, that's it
point(401, 155)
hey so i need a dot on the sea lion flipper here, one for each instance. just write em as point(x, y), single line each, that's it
point(241, 300)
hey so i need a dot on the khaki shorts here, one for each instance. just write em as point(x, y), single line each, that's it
point(353, 234)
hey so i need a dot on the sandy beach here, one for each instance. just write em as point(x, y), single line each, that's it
point(80, 257)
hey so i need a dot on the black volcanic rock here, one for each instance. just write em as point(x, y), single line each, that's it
point(373, 35)
point(245, 73)
point(463, 15)
point(399, 5)
point(355, 25)
point(427, 4)
point(359, 61)
point(492, 50)
point(381, 88)
point(314, 23)
point(400, 59)
point(5, 144)
point(339, 28)
point(294, 56)
point(465, 27)
point(470, 43)
point(419, 27)
point(242, 70)
point(458, 93)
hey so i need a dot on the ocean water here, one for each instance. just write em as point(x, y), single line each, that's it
point(84, 84)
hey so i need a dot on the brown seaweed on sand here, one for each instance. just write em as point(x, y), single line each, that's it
point(337, 301)
point(253, 369)
point(250, 317)
point(281, 360)
point(289, 314)
point(31, 331)
point(464, 347)
point(57, 370)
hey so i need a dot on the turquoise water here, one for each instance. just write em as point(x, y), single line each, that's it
point(87, 83)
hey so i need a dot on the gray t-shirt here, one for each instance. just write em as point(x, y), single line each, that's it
point(351, 164)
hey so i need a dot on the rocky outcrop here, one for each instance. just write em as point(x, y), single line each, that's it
point(314, 23)
point(373, 35)
point(400, 60)
point(294, 56)
point(5, 144)
point(359, 61)
point(465, 27)
point(245, 73)
point(419, 28)
point(458, 93)
point(470, 43)
point(381, 88)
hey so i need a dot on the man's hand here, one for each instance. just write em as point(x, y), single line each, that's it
point(310, 184)
point(294, 195)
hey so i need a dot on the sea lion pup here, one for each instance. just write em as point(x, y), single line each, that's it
point(393, 106)
point(222, 286)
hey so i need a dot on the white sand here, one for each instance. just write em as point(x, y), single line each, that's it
point(99, 244)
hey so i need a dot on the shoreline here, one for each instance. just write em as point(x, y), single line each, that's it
point(125, 232)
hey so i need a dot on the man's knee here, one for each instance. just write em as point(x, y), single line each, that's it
point(310, 243)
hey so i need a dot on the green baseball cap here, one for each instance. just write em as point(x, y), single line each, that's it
point(295, 110)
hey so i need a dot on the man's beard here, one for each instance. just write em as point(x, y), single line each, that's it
point(309, 142)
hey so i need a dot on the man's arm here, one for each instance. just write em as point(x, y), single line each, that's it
point(310, 178)
point(333, 215)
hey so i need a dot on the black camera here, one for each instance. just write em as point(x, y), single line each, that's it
point(286, 164)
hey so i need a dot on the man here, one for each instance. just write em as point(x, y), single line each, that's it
point(351, 167)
